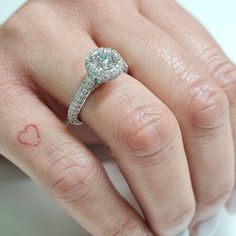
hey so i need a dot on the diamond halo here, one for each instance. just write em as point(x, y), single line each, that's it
point(102, 65)
point(105, 64)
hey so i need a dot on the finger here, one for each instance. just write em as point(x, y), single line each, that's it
point(193, 37)
point(83, 132)
point(145, 140)
point(199, 104)
point(140, 130)
point(34, 139)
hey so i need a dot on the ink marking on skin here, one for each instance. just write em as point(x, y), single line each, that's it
point(29, 136)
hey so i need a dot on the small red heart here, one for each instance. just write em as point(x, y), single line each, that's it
point(29, 136)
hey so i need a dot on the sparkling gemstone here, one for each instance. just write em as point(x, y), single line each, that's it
point(105, 61)
point(105, 64)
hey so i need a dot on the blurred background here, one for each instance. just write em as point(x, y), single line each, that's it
point(25, 210)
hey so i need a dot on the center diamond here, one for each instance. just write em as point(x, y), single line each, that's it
point(105, 61)
point(105, 64)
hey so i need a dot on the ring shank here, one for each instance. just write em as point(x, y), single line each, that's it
point(86, 87)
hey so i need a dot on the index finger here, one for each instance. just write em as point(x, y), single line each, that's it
point(36, 141)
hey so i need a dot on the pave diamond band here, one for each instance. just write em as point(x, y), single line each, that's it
point(102, 65)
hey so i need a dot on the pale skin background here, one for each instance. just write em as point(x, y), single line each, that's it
point(30, 212)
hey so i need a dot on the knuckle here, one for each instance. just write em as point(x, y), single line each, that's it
point(208, 108)
point(128, 227)
point(228, 82)
point(71, 182)
point(210, 55)
point(73, 186)
point(177, 219)
point(67, 173)
point(147, 130)
point(216, 198)
point(215, 62)
point(221, 69)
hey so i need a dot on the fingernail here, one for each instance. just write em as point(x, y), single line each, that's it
point(207, 227)
point(185, 233)
point(231, 205)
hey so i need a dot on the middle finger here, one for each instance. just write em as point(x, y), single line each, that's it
point(199, 104)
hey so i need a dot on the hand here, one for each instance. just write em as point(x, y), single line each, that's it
point(170, 129)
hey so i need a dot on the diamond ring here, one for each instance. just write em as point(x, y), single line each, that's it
point(102, 65)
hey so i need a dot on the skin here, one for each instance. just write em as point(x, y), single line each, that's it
point(171, 122)
point(29, 136)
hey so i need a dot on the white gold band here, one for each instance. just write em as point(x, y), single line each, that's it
point(103, 65)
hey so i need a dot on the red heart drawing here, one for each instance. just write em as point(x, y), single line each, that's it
point(29, 136)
